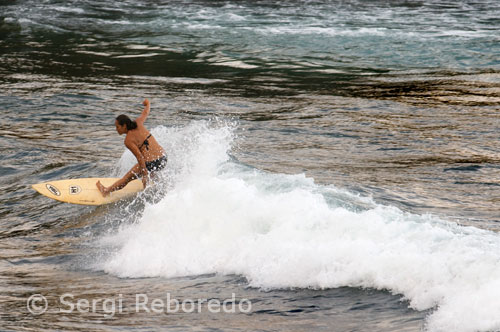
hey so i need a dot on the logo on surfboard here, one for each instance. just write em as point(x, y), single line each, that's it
point(74, 190)
point(53, 189)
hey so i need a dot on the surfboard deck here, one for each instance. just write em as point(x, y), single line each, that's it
point(84, 191)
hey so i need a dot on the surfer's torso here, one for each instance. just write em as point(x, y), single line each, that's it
point(145, 142)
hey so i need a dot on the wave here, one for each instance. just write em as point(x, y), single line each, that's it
point(284, 231)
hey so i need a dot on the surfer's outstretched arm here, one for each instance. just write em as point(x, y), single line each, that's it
point(136, 171)
point(143, 171)
point(145, 112)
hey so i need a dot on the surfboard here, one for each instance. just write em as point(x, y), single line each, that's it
point(84, 191)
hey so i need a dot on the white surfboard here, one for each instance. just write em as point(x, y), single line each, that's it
point(84, 191)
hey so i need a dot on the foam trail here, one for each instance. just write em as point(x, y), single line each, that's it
point(282, 231)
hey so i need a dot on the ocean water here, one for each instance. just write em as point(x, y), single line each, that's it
point(333, 165)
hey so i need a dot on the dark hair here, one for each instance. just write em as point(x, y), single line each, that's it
point(125, 120)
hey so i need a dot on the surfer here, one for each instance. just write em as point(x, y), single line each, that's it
point(150, 155)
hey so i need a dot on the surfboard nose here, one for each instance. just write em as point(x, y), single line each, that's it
point(47, 189)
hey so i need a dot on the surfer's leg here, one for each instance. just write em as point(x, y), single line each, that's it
point(131, 175)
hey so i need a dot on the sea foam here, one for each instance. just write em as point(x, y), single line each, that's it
point(285, 231)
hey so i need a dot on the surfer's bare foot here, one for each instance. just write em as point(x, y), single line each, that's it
point(104, 191)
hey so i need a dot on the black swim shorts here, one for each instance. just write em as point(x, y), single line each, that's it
point(156, 165)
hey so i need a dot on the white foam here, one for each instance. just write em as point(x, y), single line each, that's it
point(176, 80)
point(233, 17)
point(282, 231)
point(200, 26)
point(329, 31)
point(69, 9)
point(236, 64)
point(143, 55)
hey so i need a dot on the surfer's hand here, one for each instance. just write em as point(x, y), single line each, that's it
point(145, 102)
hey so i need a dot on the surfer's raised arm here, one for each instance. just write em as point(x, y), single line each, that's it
point(145, 112)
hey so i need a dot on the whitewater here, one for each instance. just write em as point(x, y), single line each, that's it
point(284, 231)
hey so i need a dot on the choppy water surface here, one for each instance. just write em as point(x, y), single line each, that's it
point(335, 163)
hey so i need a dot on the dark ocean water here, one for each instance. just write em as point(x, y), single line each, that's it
point(333, 162)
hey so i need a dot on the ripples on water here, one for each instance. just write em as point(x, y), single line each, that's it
point(396, 100)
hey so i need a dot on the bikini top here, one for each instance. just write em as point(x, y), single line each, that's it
point(145, 143)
